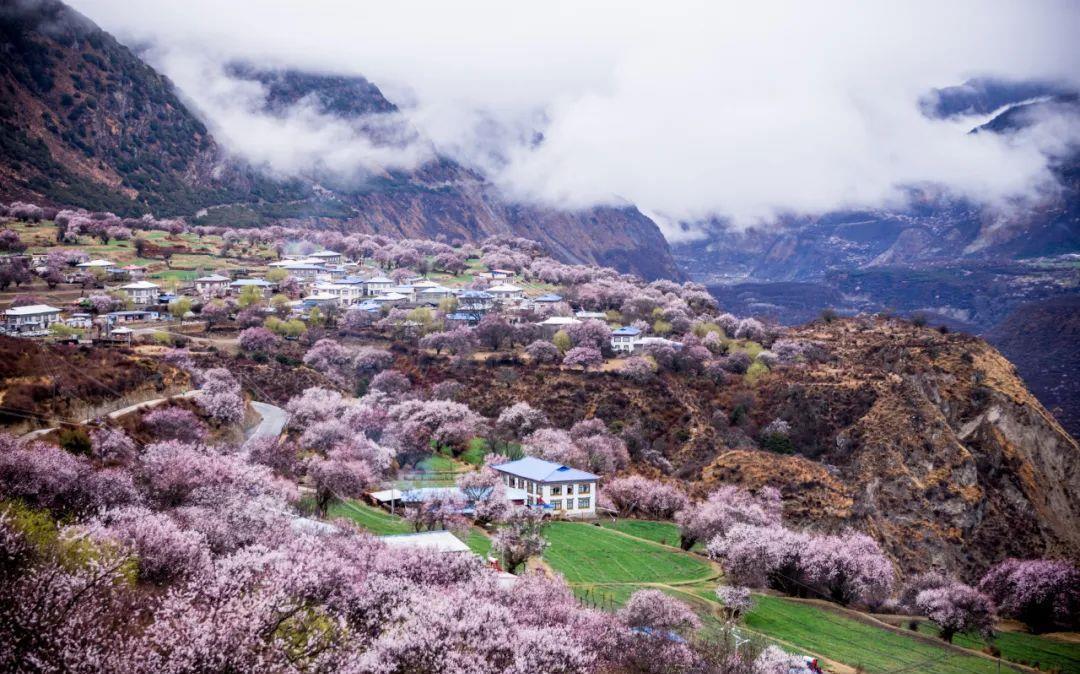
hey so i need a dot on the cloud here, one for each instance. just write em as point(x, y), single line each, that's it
point(737, 111)
point(298, 139)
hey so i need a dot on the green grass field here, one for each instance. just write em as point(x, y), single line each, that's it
point(588, 554)
point(1027, 649)
point(375, 520)
point(666, 533)
point(858, 644)
point(382, 523)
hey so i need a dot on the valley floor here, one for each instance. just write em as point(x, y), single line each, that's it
point(606, 564)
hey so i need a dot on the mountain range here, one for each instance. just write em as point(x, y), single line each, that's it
point(85, 122)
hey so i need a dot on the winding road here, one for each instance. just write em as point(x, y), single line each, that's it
point(271, 424)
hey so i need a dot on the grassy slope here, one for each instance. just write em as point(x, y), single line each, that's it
point(587, 554)
point(858, 644)
point(1029, 649)
point(382, 523)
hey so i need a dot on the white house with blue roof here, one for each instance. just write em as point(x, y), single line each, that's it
point(556, 488)
point(624, 338)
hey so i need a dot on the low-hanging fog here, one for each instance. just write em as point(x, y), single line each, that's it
point(689, 110)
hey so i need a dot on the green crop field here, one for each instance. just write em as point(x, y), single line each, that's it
point(858, 644)
point(666, 533)
point(1027, 649)
point(375, 520)
point(660, 532)
point(588, 554)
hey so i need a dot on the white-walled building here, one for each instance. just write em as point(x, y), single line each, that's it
point(554, 487)
point(142, 292)
point(327, 256)
point(623, 339)
point(504, 292)
point(377, 285)
point(211, 286)
point(347, 293)
point(32, 319)
point(95, 264)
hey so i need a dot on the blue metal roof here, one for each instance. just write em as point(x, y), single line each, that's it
point(539, 470)
point(549, 297)
point(628, 331)
point(475, 295)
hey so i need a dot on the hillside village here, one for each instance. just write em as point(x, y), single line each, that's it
point(515, 432)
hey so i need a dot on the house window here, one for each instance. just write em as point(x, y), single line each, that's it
point(569, 504)
point(529, 487)
point(556, 491)
point(529, 500)
point(569, 489)
point(583, 489)
point(557, 503)
point(583, 503)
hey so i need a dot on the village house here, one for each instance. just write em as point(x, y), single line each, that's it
point(30, 320)
point(552, 324)
point(389, 298)
point(546, 300)
point(496, 274)
point(433, 294)
point(346, 293)
point(622, 339)
point(134, 271)
point(553, 487)
point(505, 292)
point(80, 320)
point(211, 286)
point(95, 264)
point(320, 300)
point(134, 316)
point(642, 343)
point(327, 257)
point(377, 285)
point(590, 315)
point(303, 270)
point(237, 286)
point(142, 293)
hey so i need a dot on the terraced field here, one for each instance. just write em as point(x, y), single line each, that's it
point(584, 553)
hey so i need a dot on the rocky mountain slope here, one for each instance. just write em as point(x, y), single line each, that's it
point(84, 122)
point(929, 441)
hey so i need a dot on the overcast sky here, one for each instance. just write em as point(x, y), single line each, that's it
point(689, 110)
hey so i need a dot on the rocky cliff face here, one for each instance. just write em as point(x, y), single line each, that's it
point(84, 122)
point(947, 458)
point(928, 441)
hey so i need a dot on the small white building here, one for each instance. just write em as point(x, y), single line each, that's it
point(440, 541)
point(505, 292)
point(390, 298)
point(642, 343)
point(142, 292)
point(327, 256)
point(32, 319)
point(475, 301)
point(347, 293)
point(623, 339)
point(264, 286)
point(211, 286)
point(95, 264)
point(553, 324)
point(303, 270)
point(553, 487)
point(433, 295)
point(377, 285)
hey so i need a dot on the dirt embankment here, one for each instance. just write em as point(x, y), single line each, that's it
point(928, 441)
point(41, 383)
